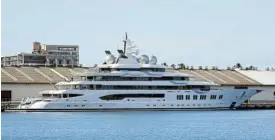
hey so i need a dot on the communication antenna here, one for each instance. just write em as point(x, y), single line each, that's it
point(125, 41)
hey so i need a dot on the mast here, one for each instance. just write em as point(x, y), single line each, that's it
point(126, 37)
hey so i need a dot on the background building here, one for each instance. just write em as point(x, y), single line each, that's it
point(45, 55)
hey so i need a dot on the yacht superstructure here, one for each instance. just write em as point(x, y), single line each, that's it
point(133, 82)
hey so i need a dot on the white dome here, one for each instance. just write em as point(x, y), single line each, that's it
point(153, 60)
point(144, 59)
point(110, 59)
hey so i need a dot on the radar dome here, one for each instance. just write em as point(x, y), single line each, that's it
point(153, 60)
point(109, 59)
point(144, 59)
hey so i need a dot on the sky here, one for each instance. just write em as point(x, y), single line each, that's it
point(193, 32)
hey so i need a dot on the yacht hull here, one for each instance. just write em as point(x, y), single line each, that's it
point(90, 101)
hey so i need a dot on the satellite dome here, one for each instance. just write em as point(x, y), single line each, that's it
point(110, 59)
point(154, 60)
point(144, 59)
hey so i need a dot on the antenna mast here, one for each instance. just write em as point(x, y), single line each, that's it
point(126, 37)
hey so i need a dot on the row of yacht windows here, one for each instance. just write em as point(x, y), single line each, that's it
point(60, 95)
point(126, 87)
point(129, 69)
point(195, 97)
point(118, 78)
point(122, 96)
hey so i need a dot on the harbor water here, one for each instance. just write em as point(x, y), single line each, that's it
point(140, 125)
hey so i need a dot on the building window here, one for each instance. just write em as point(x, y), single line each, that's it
point(195, 97)
point(220, 97)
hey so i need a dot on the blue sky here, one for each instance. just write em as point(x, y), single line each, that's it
point(194, 32)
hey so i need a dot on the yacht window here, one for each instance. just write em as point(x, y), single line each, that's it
point(241, 87)
point(91, 87)
point(46, 95)
point(98, 86)
point(75, 95)
point(202, 97)
point(180, 97)
point(187, 97)
point(195, 97)
point(83, 87)
point(57, 95)
point(177, 78)
point(213, 97)
point(65, 96)
point(90, 78)
point(98, 78)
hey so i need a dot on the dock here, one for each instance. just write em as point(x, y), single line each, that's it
point(256, 106)
point(9, 105)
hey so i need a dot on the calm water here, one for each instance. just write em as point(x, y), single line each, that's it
point(188, 125)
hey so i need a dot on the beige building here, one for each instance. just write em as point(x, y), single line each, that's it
point(45, 55)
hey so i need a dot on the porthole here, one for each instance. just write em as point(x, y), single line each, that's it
point(154, 105)
point(83, 105)
point(178, 105)
point(100, 105)
point(194, 105)
point(172, 105)
point(147, 105)
point(163, 105)
point(68, 105)
point(182, 104)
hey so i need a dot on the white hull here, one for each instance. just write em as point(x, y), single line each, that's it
point(90, 101)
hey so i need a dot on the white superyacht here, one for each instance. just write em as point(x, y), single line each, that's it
point(132, 82)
